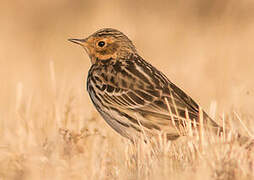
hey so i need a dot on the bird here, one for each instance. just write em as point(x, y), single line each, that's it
point(133, 96)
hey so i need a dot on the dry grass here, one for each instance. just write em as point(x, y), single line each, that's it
point(57, 141)
point(48, 126)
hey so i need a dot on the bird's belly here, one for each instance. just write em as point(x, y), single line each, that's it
point(131, 124)
point(113, 119)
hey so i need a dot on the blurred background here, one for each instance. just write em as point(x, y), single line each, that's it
point(203, 46)
point(48, 125)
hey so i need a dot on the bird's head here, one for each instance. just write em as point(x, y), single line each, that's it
point(106, 44)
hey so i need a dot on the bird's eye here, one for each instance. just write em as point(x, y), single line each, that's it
point(101, 43)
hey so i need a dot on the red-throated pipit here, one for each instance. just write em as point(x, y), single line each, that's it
point(132, 95)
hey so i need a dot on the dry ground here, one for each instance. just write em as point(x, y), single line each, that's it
point(48, 126)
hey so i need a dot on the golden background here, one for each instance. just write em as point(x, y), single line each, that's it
point(203, 46)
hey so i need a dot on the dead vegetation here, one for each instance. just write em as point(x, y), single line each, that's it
point(50, 130)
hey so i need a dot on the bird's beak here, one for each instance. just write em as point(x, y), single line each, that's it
point(81, 42)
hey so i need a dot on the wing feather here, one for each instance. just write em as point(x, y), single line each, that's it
point(137, 89)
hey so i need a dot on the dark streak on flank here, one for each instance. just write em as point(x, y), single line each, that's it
point(122, 123)
point(95, 95)
point(93, 80)
point(119, 102)
point(104, 99)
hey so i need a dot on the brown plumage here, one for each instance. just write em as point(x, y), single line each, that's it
point(131, 94)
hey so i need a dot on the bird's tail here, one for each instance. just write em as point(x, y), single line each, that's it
point(246, 141)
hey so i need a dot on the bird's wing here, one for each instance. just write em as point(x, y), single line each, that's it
point(137, 90)
point(145, 90)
